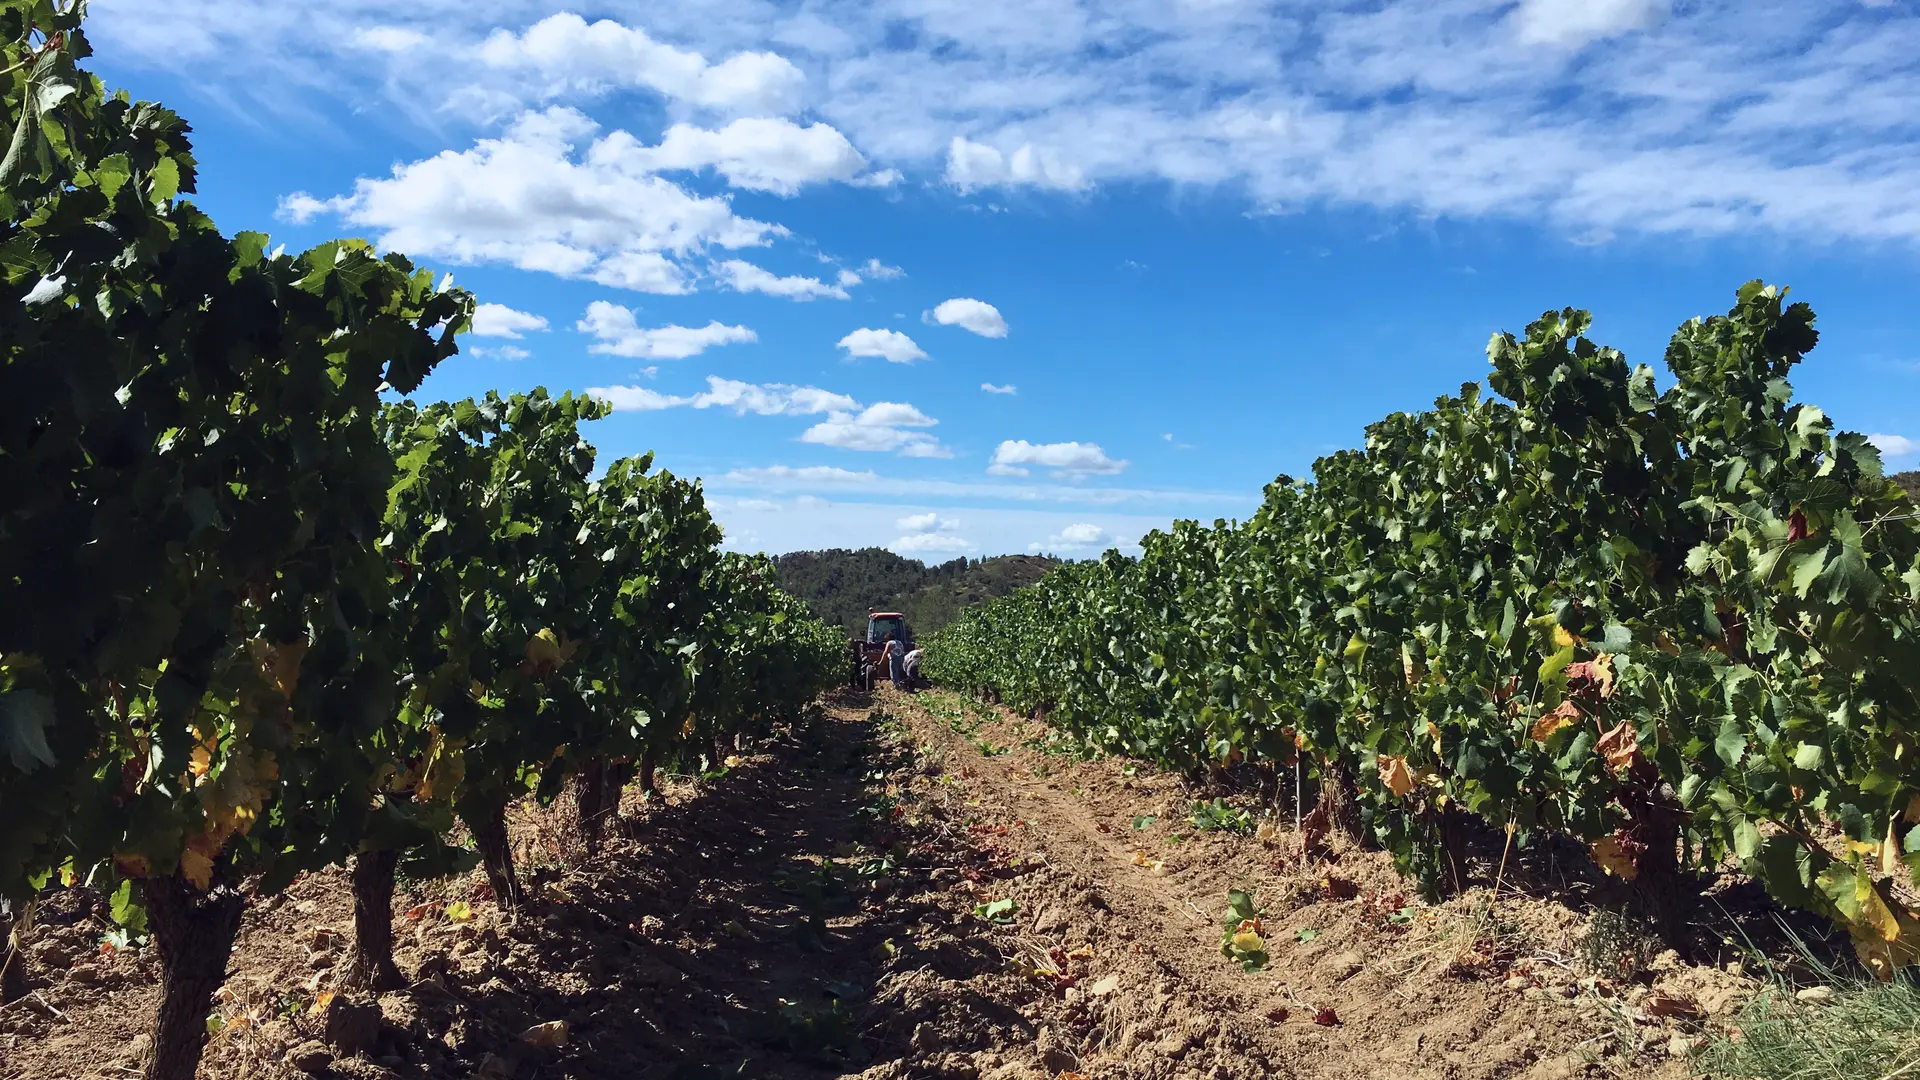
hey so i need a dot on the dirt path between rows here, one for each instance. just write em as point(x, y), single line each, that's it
point(908, 888)
point(1363, 979)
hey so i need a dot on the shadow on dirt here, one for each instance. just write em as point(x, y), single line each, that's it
point(746, 931)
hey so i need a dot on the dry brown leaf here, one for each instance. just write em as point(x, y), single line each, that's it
point(1664, 1004)
point(1562, 715)
point(1619, 746)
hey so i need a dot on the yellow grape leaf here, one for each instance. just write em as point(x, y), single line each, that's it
point(1248, 941)
point(1603, 674)
point(321, 1000)
point(67, 876)
point(460, 911)
point(1395, 774)
point(1566, 713)
point(283, 666)
point(1433, 729)
point(1612, 856)
point(200, 763)
point(733, 761)
point(197, 868)
point(1562, 638)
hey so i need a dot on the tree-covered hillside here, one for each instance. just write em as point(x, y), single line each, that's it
point(1910, 481)
point(840, 585)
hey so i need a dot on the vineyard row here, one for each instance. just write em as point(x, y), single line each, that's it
point(1679, 625)
point(261, 615)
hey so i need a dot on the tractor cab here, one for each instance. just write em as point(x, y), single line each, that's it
point(869, 654)
point(884, 624)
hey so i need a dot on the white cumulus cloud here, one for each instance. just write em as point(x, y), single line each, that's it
point(499, 320)
point(759, 154)
point(762, 399)
point(969, 314)
point(886, 344)
point(1894, 445)
point(992, 389)
point(1066, 459)
point(618, 333)
point(1076, 537)
point(927, 522)
point(574, 56)
point(884, 427)
point(743, 276)
point(500, 352)
point(528, 199)
point(930, 544)
point(1577, 22)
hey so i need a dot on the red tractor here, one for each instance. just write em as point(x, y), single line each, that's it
point(868, 656)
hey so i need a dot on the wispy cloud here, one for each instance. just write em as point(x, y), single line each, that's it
point(1463, 108)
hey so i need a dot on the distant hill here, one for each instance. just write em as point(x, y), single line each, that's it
point(1910, 481)
point(840, 585)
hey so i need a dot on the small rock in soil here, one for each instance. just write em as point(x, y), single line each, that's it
point(310, 1057)
point(1815, 995)
point(1342, 965)
point(140, 1046)
point(1051, 919)
point(352, 1027)
point(552, 1033)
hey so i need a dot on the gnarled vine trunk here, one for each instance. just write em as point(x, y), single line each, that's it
point(370, 964)
point(1339, 805)
point(590, 803)
point(649, 760)
point(194, 932)
point(488, 823)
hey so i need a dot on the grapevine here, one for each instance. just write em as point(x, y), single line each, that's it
point(1678, 625)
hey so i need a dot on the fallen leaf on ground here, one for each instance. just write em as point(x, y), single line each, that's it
point(460, 911)
point(1279, 1015)
point(1104, 986)
point(1661, 1004)
point(1326, 1018)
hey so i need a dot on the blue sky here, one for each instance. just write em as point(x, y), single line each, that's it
point(1189, 244)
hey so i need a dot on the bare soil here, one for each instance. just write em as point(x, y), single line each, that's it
point(832, 906)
